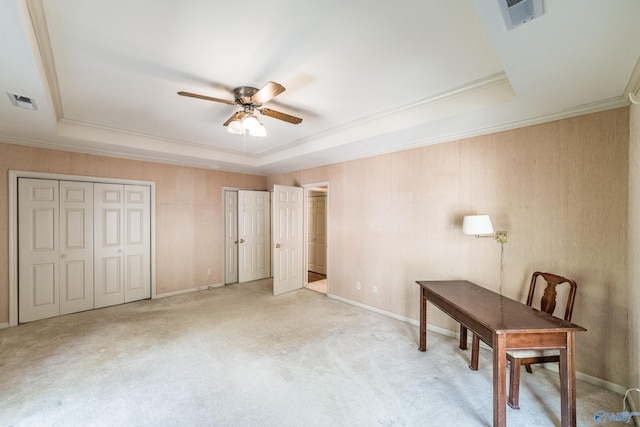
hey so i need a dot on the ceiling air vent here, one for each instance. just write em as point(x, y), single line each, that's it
point(22, 101)
point(516, 12)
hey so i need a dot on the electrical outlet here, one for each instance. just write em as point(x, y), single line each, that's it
point(358, 285)
point(375, 289)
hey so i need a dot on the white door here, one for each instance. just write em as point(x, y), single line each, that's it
point(288, 259)
point(38, 252)
point(76, 246)
point(254, 260)
point(137, 242)
point(56, 248)
point(109, 244)
point(230, 236)
point(317, 234)
point(122, 242)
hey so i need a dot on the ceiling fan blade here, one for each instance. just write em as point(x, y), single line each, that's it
point(267, 93)
point(206, 98)
point(280, 116)
point(234, 116)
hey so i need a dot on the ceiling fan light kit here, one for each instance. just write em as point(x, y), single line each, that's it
point(251, 124)
point(251, 100)
point(235, 127)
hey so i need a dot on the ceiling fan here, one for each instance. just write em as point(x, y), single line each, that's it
point(250, 100)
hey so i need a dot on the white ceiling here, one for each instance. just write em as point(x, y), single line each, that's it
point(366, 76)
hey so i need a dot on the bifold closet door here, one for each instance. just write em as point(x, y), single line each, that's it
point(122, 236)
point(55, 255)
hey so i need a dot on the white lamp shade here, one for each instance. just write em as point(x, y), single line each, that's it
point(250, 122)
point(235, 127)
point(477, 225)
point(258, 131)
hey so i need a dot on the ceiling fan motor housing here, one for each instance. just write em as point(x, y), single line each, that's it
point(243, 95)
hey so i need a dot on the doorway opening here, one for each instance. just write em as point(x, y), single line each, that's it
point(310, 259)
point(317, 196)
point(247, 247)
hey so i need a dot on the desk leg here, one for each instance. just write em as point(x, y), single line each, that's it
point(568, 383)
point(423, 320)
point(463, 337)
point(499, 380)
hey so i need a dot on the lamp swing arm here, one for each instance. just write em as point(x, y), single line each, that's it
point(499, 236)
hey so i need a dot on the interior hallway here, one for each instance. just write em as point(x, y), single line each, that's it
point(317, 282)
point(239, 356)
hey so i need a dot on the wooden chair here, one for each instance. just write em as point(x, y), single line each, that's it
point(530, 357)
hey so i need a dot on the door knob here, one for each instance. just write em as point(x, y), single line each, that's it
point(277, 245)
point(241, 240)
point(63, 256)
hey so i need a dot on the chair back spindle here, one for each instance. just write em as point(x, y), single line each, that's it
point(549, 296)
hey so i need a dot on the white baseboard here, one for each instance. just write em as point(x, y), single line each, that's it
point(590, 379)
point(186, 291)
point(215, 285)
point(616, 388)
point(4, 325)
point(415, 322)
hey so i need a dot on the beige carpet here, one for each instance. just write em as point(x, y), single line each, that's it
point(238, 356)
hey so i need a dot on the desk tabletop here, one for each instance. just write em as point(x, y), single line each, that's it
point(496, 312)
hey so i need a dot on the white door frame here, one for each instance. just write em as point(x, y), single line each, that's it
point(13, 230)
point(307, 187)
point(229, 243)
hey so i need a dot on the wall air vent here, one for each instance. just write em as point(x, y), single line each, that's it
point(516, 12)
point(22, 101)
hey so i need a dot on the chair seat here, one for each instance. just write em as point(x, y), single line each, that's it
point(522, 354)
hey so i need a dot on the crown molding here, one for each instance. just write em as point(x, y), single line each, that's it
point(489, 91)
point(187, 162)
point(633, 86)
point(45, 60)
point(580, 110)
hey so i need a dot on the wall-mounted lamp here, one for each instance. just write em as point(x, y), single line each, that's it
point(480, 226)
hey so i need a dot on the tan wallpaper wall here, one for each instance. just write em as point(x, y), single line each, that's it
point(189, 214)
point(559, 189)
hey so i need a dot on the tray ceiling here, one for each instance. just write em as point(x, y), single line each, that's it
point(366, 77)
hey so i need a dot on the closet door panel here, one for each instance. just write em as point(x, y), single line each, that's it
point(38, 252)
point(108, 244)
point(76, 246)
point(137, 207)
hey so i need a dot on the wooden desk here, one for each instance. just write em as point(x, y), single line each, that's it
point(505, 324)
